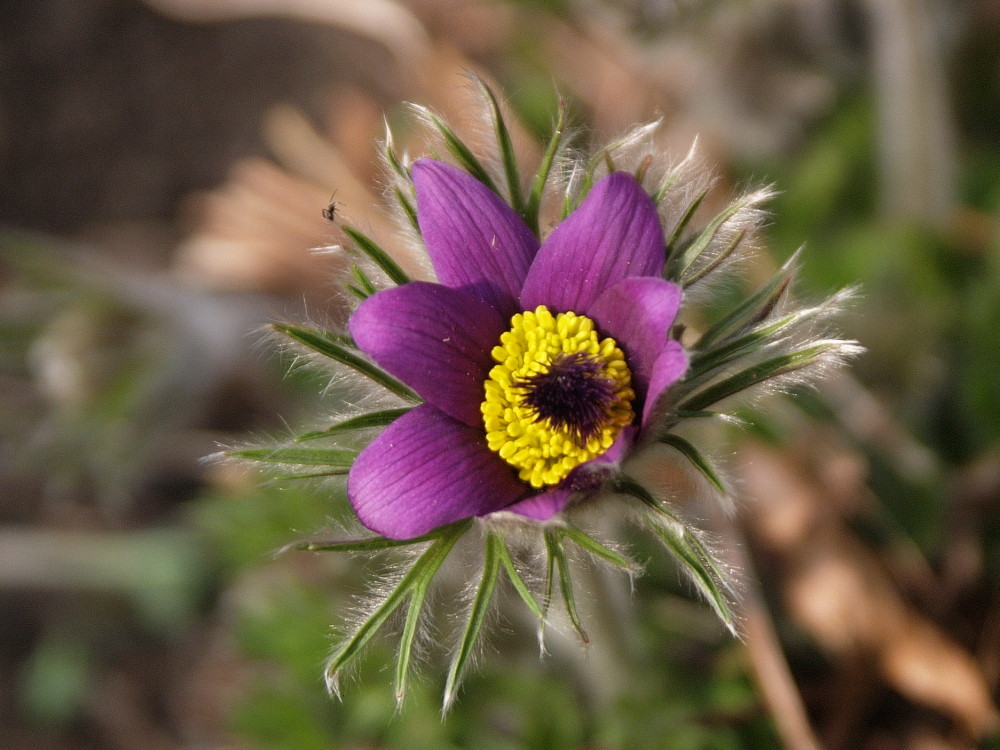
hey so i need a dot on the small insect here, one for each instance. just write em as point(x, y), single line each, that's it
point(330, 212)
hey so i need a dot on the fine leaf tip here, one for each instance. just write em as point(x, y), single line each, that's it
point(449, 696)
point(333, 684)
point(542, 651)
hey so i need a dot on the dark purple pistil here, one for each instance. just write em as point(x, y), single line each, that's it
point(573, 395)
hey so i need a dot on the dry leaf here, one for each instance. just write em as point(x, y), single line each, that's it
point(838, 590)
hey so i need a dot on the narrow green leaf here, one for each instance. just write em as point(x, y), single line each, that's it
point(324, 343)
point(752, 310)
point(717, 261)
point(413, 612)
point(568, 204)
point(575, 198)
point(771, 368)
point(406, 638)
point(682, 223)
point(550, 568)
point(695, 560)
point(392, 159)
point(341, 338)
point(679, 264)
point(311, 475)
point(373, 544)
point(378, 256)
point(753, 340)
point(459, 150)
point(685, 546)
point(477, 616)
point(519, 585)
point(505, 146)
point(643, 168)
point(419, 596)
point(704, 362)
point(625, 141)
point(355, 545)
point(595, 548)
point(670, 179)
point(392, 156)
point(408, 208)
point(360, 422)
point(609, 162)
point(623, 484)
point(534, 203)
point(352, 648)
point(556, 552)
point(697, 460)
point(364, 283)
point(302, 456)
point(427, 564)
point(688, 414)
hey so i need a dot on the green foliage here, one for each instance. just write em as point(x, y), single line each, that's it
point(367, 246)
point(327, 344)
point(505, 703)
point(694, 558)
point(360, 422)
point(517, 702)
point(544, 170)
point(457, 148)
point(57, 677)
point(506, 147)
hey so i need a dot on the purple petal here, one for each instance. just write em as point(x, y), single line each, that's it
point(474, 239)
point(426, 470)
point(638, 314)
point(435, 339)
point(543, 506)
point(668, 368)
point(614, 234)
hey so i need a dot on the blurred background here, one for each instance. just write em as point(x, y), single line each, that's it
point(164, 166)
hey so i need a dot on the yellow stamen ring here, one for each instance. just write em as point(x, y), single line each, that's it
point(546, 450)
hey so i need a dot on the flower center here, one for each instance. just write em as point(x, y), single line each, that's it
point(558, 396)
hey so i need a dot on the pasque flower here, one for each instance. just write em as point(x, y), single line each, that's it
point(521, 382)
point(539, 365)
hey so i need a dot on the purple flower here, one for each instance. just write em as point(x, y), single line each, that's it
point(539, 365)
